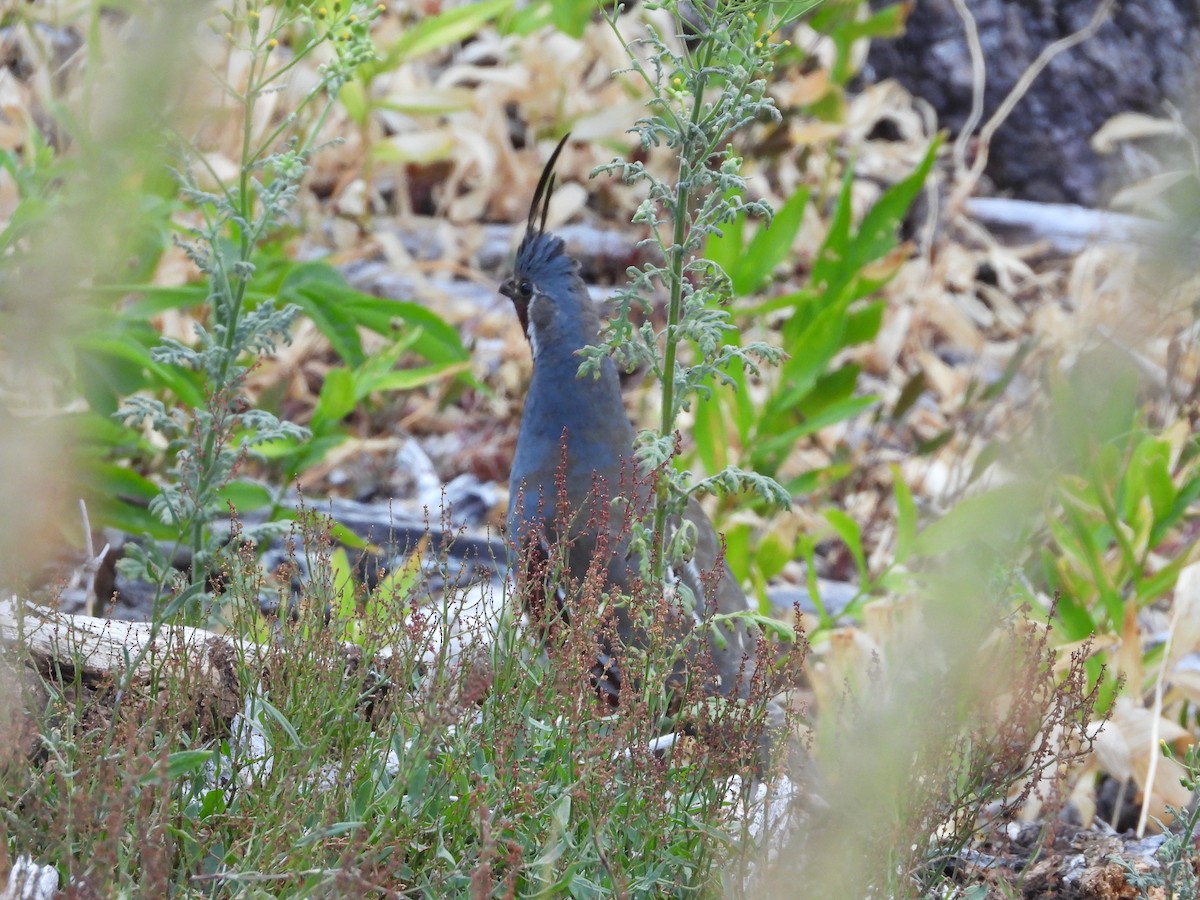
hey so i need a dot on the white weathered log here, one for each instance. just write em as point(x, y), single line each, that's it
point(27, 880)
point(1068, 228)
point(104, 650)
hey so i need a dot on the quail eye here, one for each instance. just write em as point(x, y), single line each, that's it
point(525, 288)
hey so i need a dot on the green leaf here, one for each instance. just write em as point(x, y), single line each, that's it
point(1077, 623)
point(817, 479)
point(863, 323)
point(439, 341)
point(709, 433)
point(880, 226)
point(345, 595)
point(336, 400)
point(213, 804)
point(133, 519)
point(296, 456)
point(119, 362)
point(1162, 582)
point(329, 831)
point(906, 516)
point(280, 719)
point(886, 22)
point(809, 354)
point(1000, 385)
point(990, 453)
point(571, 16)
point(1185, 496)
point(99, 436)
point(453, 26)
point(832, 387)
point(389, 600)
point(831, 258)
point(354, 100)
point(841, 23)
point(117, 481)
point(737, 548)
point(849, 532)
point(316, 289)
point(1152, 461)
point(152, 301)
point(725, 247)
point(770, 246)
point(909, 394)
point(767, 452)
point(181, 763)
point(408, 379)
point(769, 625)
point(774, 552)
point(785, 12)
point(246, 495)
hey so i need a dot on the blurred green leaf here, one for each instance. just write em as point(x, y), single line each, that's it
point(354, 100)
point(1150, 476)
point(848, 530)
point(774, 552)
point(771, 245)
point(345, 594)
point(452, 26)
point(317, 289)
point(246, 495)
point(913, 388)
point(993, 519)
point(181, 763)
point(725, 248)
point(841, 22)
point(879, 230)
point(906, 516)
point(409, 379)
point(336, 400)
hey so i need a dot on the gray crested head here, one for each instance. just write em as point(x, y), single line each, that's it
point(549, 296)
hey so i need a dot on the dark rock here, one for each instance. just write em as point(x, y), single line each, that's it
point(1143, 55)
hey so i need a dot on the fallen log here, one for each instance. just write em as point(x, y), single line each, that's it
point(107, 652)
point(1066, 227)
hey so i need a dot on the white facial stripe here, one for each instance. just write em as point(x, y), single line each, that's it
point(532, 332)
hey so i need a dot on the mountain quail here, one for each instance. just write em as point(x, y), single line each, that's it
point(573, 457)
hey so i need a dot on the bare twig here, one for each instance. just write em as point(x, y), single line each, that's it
point(1156, 711)
point(91, 564)
point(965, 184)
point(978, 83)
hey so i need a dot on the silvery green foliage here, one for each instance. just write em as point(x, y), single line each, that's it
point(207, 445)
point(702, 94)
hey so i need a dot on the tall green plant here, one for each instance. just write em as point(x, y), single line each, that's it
point(703, 90)
point(209, 442)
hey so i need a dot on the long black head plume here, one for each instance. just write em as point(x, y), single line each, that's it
point(543, 192)
point(541, 264)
